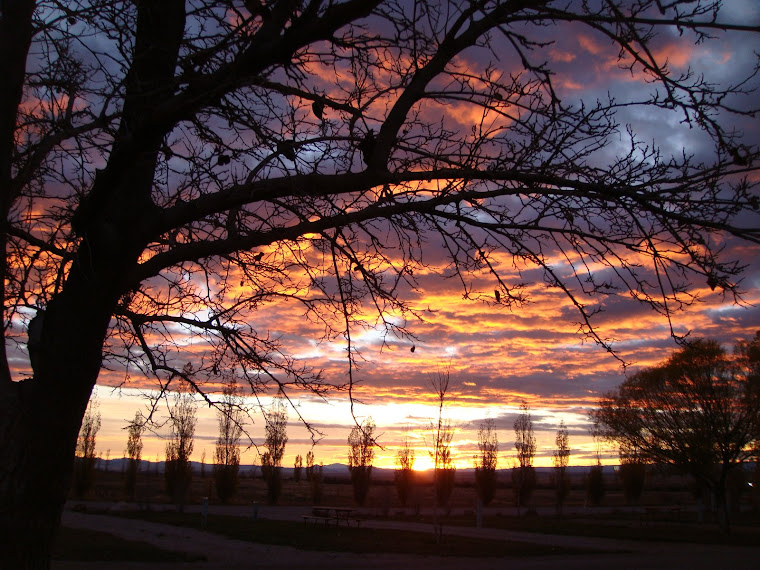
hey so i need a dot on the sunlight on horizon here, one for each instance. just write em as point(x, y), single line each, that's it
point(394, 422)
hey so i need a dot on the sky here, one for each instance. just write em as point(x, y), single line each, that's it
point(496, 357)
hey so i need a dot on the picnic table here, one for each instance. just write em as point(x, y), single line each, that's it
point(660, 514)
point(332, 515)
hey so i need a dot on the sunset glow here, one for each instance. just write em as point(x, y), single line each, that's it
point(500, 351)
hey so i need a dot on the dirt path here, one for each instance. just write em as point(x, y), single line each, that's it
point(224, 553)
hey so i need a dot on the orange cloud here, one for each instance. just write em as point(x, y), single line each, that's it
point(590, 44)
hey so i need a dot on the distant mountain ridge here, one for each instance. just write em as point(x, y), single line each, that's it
point(338, 470)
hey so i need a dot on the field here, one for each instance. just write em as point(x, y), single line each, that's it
point(612, 520)
point(661, 489)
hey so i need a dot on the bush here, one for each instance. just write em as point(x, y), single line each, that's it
point(178, 475)
point(523, 484)
point(632, 477)
point(361, 477)
point(226, 481)
point(485, 484)
point(130, 478)
point(444, 485)
point(404, 479)
point(84, 475)
point(595, 486)
point(561, 488)
point(315, 484)
point(271, 474)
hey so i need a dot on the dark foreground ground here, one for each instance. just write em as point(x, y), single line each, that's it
point(212, 551)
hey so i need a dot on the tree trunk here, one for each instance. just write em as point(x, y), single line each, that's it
point(38, 451)
point(40, 420)
point(721, 506)
point(40, 417)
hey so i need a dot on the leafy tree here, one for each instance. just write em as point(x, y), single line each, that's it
point(148, 149)
point(297, 468)
point(404, 474)
point(361, 453)
point(133, 453)
point(632, 472)
point(486, 461)
point(275, 438)
point(230, 417)
point(524, 474)
point(561, 459)
point(699, 411)
point(84, 474)
point(178, 471)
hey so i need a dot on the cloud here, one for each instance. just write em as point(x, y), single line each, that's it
point(501, 356)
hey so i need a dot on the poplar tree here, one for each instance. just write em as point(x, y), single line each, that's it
point(230, 417)
point(523, 474)
point(133, 453)
point(561, 460)
point(486, 461)
point(84, 474)
point(361, 453)
point(275, 439)
point(178, 470)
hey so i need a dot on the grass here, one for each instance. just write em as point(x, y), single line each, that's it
point(356, 540)
point(613, 526)
point(81, 545)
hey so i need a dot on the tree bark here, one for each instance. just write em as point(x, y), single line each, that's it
point(15, 39)
point(40, 417)
point(39, 423)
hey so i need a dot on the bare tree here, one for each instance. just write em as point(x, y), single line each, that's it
point(698, 411)
point(486, 462)
point(523, 474)
point(230, 417)
point(361, 453)
point(178, 471)
point(275, 438)
point(150, 148)
point(84, 474)
point(404, 475)
point(561, 459)
point(133, 453)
